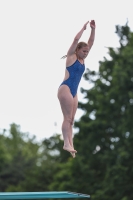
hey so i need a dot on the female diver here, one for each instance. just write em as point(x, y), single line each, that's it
point(67, 92)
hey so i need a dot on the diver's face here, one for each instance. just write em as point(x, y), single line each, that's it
point(83, 52)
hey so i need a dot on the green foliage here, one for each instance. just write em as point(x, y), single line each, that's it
point(26, 165)
point(105, 129)
point(18, 154)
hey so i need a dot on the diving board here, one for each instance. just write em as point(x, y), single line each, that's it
point(41, 195)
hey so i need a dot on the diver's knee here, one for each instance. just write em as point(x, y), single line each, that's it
point(72, 121)
point(69, 120)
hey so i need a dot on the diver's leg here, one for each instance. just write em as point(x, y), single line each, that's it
point(67, 102)
point(75, 106)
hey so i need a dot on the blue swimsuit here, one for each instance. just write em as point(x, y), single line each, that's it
point(75, 73)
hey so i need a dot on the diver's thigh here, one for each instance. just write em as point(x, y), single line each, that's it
point(66, 100)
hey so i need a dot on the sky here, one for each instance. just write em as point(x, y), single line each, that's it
point(34, 35)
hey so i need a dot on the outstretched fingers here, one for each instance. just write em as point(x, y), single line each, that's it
point(85, 25)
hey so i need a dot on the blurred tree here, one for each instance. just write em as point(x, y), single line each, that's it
point(25, 164)
point(18, 153)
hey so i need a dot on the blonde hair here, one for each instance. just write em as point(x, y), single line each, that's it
point(79, 46)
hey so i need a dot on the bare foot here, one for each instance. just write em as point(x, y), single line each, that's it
point(73, 154)
point(70, 149)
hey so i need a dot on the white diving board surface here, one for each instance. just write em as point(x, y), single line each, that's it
point(41, 195)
